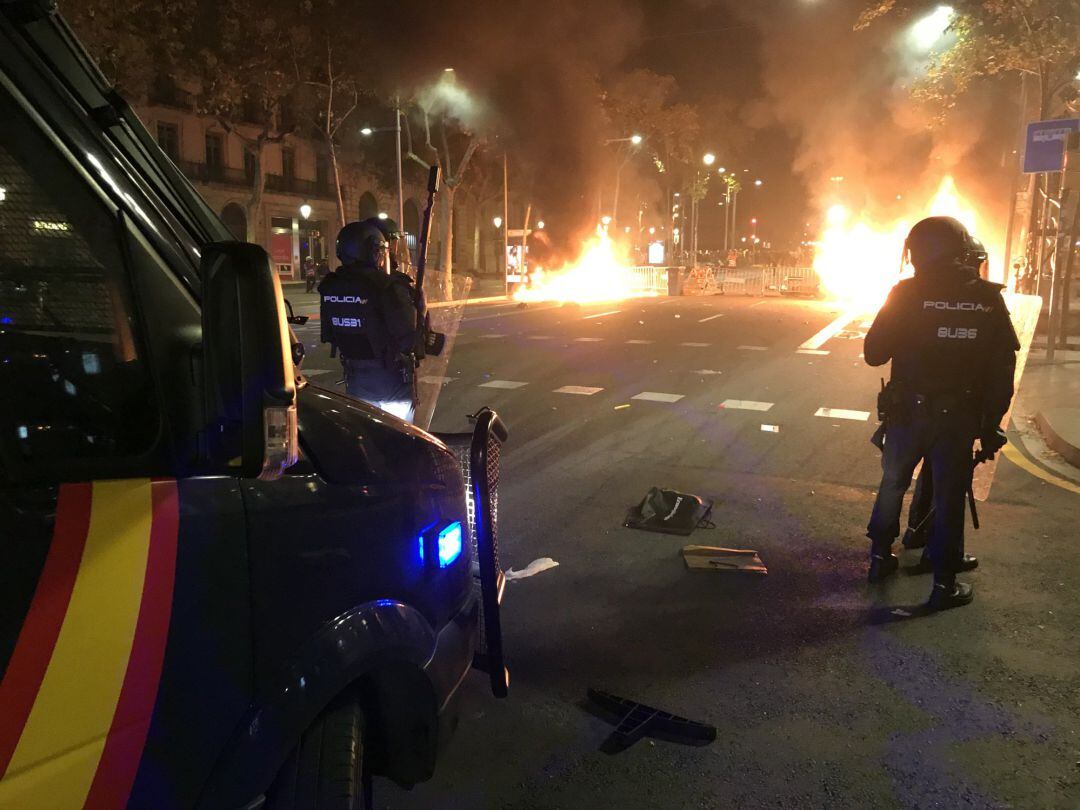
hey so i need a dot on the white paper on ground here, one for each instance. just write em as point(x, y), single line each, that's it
point(535, 567)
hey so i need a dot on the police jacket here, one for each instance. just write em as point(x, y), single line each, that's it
point(368, 314)
point(948, 332)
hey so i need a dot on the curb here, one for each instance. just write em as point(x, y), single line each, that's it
point(1055, 441)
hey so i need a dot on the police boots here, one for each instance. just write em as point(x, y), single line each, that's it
point(882, 566)
point(947, 595)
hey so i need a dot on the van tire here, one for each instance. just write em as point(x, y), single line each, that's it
point(326, 770)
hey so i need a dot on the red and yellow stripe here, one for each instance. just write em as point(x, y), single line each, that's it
point(79, 691)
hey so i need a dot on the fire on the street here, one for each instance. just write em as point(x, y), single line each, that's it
point(858, 259)
point(600, 273)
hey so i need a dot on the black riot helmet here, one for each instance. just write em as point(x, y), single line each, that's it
point(386, 226)
point(937, 243)
point(361, 243)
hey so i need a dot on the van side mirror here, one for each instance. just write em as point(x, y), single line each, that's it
point(249, 381)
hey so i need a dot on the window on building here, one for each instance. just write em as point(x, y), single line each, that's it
point(215, 150)
point(249, 163)
point(74, 384)
point(288, 162)
point(168, 138)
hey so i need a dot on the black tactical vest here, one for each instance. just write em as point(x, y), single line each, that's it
point(350, 309)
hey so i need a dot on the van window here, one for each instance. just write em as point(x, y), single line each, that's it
point(73, 378)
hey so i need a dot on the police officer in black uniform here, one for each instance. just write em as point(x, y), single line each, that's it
point(369, 316)
point(953, 352)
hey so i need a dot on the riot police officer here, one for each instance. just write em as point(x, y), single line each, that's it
point(953, 352)
point(369, 316)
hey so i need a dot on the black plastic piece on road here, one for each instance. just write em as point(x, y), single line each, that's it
point(635, 720)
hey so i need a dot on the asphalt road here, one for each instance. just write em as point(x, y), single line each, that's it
point(825, 692)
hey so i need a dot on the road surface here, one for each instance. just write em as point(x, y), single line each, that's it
point(823, 691)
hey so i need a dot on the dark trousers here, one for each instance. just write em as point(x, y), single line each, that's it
point(945, 441)
point(392, 389)
point(922, 499)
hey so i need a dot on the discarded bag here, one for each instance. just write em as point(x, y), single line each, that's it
point(742, 560)
point(670, 512)
point(533, 568)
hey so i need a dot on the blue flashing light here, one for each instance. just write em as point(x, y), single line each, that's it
point(449, 544)
point(420, 547)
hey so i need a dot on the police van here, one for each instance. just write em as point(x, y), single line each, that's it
point(220, 585)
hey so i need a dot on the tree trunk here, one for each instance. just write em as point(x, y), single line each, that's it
point(337, 182)
point(476, 238)
point(258, 184)
point(446, 241)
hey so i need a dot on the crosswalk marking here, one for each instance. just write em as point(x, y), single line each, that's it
point(696, 345)
point(640, 342)
point(587, 340)
point(819, 352)
point(507, 384)
point(830, 331)
point(711, 318)
point(745, 405)
point(601, 314)
point(583, 390)
point(657, 396)
point(753, 348)
point(843, 413)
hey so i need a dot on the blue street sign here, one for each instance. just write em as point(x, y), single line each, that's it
point(1045, 148)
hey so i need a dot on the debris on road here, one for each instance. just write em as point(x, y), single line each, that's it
point(741, 560)
point(634, 720)
point(669, 512)
point(535, 567)
point(620, 407)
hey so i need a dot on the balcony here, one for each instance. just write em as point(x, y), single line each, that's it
point(221, 175)
point(294, 185)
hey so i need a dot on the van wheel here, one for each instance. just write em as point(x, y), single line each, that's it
point(326, 770)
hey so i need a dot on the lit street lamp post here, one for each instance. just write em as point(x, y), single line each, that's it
point(369, 131)
point(634, 140)
point(708, 159)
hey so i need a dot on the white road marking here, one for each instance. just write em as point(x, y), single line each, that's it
point(696, 345)
point(539, 337)
point(831, 330)
point(843, 413)
point(508, 384)
point(587, 340)
point(753, 348)
point(818, 352)
point(508, 312)
point(640, 342)
point(656, 396)
point(758, 304)
point(711, 318)
point(492, 336)
point(705, 371)
point(582, 390)
point(601, 314)
point(745, 405)
point(434, 379)
point(770, 428)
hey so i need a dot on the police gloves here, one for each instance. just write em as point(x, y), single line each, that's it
point(991, 441)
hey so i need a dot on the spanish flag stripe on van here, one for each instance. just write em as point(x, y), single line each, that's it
point(82, 739)
point(41, 627)
point(131, 722)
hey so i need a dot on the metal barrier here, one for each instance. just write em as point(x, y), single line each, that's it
point(651, 280)
point(754, 281)
point(478, 453)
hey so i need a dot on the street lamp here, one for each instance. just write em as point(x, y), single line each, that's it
point(305, 210)
point(926, 31)
point(383, 215)
point(634, 141)
point(708, 159)
point(605, 220)
point(759, 183)
point(540, 225)
point(721, 170)
point(497, 222)
point(367, 132)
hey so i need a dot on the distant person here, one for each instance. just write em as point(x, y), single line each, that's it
point(368, 315)
point(953, 352)
point(308, 269)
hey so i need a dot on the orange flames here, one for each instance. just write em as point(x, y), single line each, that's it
point(858, 260)
point(600, 273)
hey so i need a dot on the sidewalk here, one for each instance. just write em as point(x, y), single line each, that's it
point(1050, 396)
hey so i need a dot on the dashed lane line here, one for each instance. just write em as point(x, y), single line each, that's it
point(696, 345)
point(539, 337)
point(581, 390)
point(587, 340)
point(831, 330)
point(843, 413)
point(711, 318)
point(657, 396)
point(505, 384)
point(818, 352)
point(492, 336)
point(640, 342)
point(601, 314)
point(753, 348)
point(745, 405)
